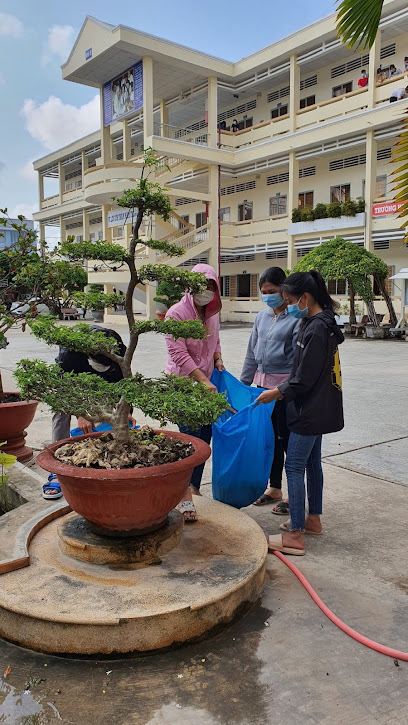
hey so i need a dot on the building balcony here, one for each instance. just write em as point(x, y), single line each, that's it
point(102, 182)
point(50, 202)
point(255, 231)
point(328, 225)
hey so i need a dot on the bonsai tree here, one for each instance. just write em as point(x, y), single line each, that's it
point(167, 399)
point(338, 259)
point(168, 293)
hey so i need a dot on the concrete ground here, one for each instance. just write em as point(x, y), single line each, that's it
point(283, 662)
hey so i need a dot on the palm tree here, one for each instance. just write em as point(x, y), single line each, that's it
point(357, 26)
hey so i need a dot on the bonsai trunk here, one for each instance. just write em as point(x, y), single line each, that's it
point(1, 388)
point(120, 423)
point(371, 313)
point(388, 301)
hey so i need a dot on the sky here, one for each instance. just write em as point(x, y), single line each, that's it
point(40, 112)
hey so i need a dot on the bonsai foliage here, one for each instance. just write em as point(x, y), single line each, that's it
point(168, 293)
point(167, 399)
point(338, 259)
point(333, 210)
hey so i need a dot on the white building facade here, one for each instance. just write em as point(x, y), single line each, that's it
point(308, 134)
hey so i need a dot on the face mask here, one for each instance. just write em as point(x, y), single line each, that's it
point(274, 300)
point(98, 367)
point(204, 298)
point(296, 312)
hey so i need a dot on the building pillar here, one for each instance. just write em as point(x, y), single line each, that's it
point(212, 112)
point(164, 118)
point(85, 225)
point(42, 232)
point(147, 100)
point(294, 98)
point(213, 216)
point(293, 203)
point(106, 232)
point(40, 188)
point(370, 187)
point(63, 232)
point(106, 146)
point(373, 64)
point(126, 142)
point(61, 181)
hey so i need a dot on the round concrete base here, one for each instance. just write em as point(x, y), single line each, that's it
point(62, 605)
point(78, 541)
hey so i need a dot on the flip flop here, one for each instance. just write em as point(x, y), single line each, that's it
point(265, 500)
point(283, 509)
point(52, 485)
point(188, 510)
point(286, 524)
point(275, 543)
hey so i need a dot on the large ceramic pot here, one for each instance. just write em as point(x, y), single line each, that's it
point(135, 500)
point(14, 419)
point(98, 315)
point(376, 333)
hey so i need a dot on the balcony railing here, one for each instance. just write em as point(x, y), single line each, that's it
point(50, 201)
point(182, 133)
point(187, 242)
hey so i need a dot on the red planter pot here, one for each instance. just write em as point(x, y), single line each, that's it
point(14, 419)
point(127, 500)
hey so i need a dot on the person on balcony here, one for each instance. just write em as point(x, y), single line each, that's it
point(363, 80)
point(406, 64)
point(394, 71)
point(234, 126)
point(399, 94)
point(196, 359)
point(268, 363)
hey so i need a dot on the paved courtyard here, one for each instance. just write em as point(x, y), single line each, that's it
point(283, 662)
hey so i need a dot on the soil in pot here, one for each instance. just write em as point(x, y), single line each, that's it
point(145, 448)
point(11, 398)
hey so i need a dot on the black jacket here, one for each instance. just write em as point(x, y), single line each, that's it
point(77, 362)
point(313, 391)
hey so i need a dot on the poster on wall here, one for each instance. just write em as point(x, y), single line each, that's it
point(123, 95)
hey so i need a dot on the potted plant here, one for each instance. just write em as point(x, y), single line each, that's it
point(124, 481)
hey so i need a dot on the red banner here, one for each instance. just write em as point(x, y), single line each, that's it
point(387, 207)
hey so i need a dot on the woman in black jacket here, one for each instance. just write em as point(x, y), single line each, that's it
point(313, 395)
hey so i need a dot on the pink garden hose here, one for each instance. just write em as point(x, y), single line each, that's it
point(396, 654)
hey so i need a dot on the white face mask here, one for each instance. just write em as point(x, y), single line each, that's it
point(98, 367)
point(204, 297)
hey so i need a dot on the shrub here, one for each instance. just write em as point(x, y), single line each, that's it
point(307, 214)
point(349, 208)
point(296, 215)
point(334, 209)
point(360, 205)
point(320, 211)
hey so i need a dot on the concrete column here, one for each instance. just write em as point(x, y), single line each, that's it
point(147, 100)
point(63, 233)
point(85, 225)
point(61, 181)
point(164, 118)
point(213, 213)
point(40, 189)
point(370, 185)
point(126, 144)
point(373, 64)
point(212, 111)
point(294, 100)
point(106, 233)
point(106, 146)
point(42, 232)
point(293, 202)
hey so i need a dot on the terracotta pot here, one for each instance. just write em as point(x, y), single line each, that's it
point(14, 419)
point(127, 500)
point(160, 315)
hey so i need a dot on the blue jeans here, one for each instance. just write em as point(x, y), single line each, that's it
point(304, 453)
point(204, 432)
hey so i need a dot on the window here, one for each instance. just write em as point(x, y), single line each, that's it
point(342, 89)
point(279, 111)
point(308, 101)
point(340, 193)
point(69, 187)
point(79, 238)
point(306, 199)
point(243, 285)
point(201, 219)
point(92, 236)
point(380, 187)
point(245, 123)
point(337, 287)
point(118, 232)
point(100, 235)
point(245, 211)
point(225, 286)
point(278, 205)
point(78, 184)
point(225, 214)
point(186, 219)
point(388, 283)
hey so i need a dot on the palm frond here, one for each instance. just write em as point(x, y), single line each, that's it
point(358, 21)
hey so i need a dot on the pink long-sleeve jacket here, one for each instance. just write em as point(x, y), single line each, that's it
point(184, 356)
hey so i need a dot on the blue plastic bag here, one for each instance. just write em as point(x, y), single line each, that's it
point(243, 444)
point(74, 432)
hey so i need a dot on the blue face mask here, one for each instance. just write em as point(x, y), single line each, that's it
point(296, 312)
point(274, 300)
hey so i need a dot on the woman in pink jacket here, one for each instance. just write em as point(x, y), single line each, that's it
point(197, 359)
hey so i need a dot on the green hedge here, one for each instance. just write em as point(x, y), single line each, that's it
point(332, 211)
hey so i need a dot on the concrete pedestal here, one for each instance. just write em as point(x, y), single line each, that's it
point(63, 605)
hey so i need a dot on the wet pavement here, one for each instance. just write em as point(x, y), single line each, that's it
point(283, 662)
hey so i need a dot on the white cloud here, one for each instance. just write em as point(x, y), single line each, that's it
point(26, 210)
point(27, 171)
point(10, 25)
point(57, 124)
point(59, 43)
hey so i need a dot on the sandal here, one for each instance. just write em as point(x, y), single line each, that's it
point(52, 485)
point(275, 543)
point(286, 527)
point(188, 510)
point(281, 509)
point(265, 500)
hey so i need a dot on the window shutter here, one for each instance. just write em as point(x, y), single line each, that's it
point(254, 285)
point(233, 285)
